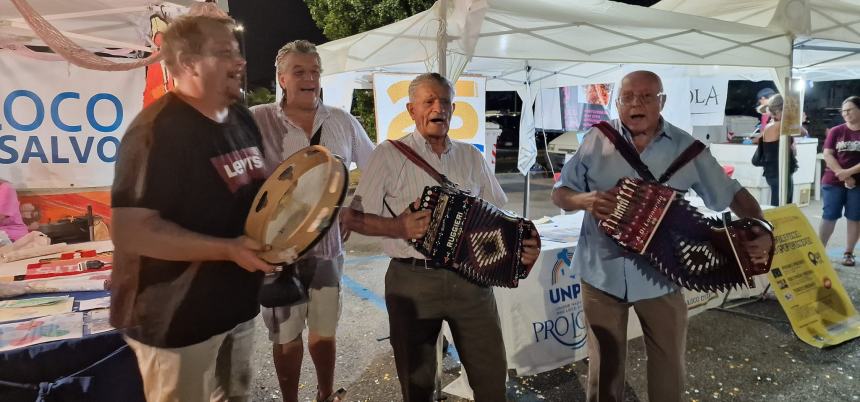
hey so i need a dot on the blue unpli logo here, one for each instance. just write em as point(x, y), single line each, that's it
point(569, 328)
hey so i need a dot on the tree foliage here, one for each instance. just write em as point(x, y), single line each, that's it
point(259, 96)
point(342, 18)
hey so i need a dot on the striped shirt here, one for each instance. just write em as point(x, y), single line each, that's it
point(341, 133)
point(400, 182)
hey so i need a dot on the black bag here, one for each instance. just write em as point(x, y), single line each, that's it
point(758, 156)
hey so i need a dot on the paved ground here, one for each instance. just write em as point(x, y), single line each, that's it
point(750, 354)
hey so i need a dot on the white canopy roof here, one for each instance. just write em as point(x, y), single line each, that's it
point(563, 42)
point(827, 32)
point(551, 43)
point(93, 24)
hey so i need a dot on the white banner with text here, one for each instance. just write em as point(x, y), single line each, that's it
point(61, 125)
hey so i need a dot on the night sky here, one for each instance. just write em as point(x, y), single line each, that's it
point(269, 24)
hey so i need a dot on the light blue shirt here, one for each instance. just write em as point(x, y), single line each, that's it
point(597, 166)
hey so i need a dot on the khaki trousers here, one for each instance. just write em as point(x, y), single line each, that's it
point(217, 369)
point(418, 301)
point(664, 324)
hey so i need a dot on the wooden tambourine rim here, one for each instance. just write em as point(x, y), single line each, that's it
point(274, 190)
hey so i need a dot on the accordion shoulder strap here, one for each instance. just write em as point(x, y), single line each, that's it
point(632, 157)
point(315, 140)
point(688, 155)
point(413, 156)
point(626, 150)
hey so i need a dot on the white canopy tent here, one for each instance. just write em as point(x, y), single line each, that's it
point(573, 43)
point(826, 33)
point(114, 26)
point(550, 43)
point(825, 38)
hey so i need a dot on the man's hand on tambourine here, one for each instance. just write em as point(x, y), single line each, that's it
point(759, 248)
point(600, 204)
point(531, 249)
point(243, 251)
point(413, 225)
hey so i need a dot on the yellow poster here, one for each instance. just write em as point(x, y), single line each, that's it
point(391, 93)
point(805, 283)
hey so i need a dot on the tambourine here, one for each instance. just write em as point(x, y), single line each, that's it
point(297, 204)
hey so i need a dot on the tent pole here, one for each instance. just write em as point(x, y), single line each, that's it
point(441, 60)
point(527, 186)
point(442, 39)
point(784, 174)
point(526, 196)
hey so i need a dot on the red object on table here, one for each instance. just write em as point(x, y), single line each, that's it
point(729, 169)
point(74, 263)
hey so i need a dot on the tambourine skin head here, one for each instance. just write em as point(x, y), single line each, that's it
point(297, 204)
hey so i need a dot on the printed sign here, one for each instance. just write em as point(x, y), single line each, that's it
point(708, 101)
point(543, 323)
point(585, 105)
point(810, 292)
point(61, 125)
point(391, 94)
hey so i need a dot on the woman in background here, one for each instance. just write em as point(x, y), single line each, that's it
point(839, 183)
point(770, 148)
point(10, 212)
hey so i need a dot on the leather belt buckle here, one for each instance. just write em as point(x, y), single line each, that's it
point(418, 262)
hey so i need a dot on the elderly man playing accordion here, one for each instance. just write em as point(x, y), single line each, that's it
point(614, 278)
point(420, 293)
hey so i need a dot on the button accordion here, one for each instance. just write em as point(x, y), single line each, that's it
point(694, 251)
point(473, 237)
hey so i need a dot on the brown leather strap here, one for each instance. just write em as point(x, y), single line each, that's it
point(413, 156)
point(688, 155)
point(626, 150)
point(315, 140)
point(632, 157)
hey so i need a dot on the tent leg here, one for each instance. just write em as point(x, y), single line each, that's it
point(526, 194)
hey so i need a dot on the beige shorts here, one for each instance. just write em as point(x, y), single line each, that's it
point(320, 313)
point(217, 369)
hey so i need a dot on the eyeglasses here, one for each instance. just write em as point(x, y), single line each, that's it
point(848, 110)
point(644, 99)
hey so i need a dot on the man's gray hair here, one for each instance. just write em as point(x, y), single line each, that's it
point(300, 46)
point(435, 78)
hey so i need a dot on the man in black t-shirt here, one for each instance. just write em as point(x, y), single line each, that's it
point(185, 279)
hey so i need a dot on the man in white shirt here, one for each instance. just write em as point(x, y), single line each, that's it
point(419, 294)
point(297, 121)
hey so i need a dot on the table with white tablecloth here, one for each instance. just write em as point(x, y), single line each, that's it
point(543, 324)
point(91, 366)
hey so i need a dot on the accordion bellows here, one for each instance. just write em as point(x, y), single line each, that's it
point(473, 237)
point(694, 251)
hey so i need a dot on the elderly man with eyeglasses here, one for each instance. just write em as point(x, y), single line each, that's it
point(613, 279)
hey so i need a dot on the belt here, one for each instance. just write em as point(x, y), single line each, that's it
point(420, 262)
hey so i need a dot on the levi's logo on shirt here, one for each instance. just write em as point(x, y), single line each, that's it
point(240, 167)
